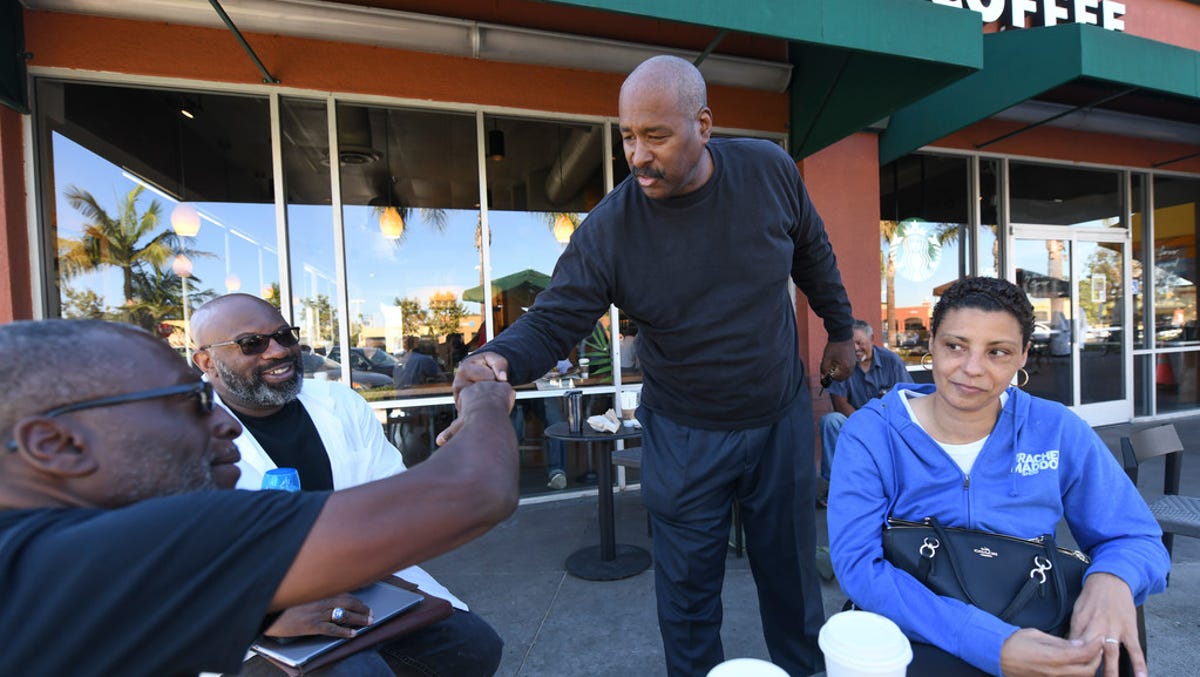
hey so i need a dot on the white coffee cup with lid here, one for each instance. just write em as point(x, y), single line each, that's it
point(747, 667)
point(864, 644)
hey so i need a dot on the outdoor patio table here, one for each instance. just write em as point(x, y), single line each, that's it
point(609, 561)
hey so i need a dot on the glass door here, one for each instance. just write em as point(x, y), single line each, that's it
point(1080, 356)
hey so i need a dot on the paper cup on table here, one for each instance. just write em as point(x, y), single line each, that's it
point(629, 403)
point(747, 667)
point(863, 644)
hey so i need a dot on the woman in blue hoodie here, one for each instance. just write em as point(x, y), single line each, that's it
point(976, 453)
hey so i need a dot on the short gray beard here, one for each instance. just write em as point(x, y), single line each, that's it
point(259, 393)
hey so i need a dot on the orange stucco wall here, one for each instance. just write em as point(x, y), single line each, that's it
point(157, 49)
point(15, 301)
point(1170, 21)
point(1073, 146)
point(843, 182)
point(568, 19)
point(1176, 22)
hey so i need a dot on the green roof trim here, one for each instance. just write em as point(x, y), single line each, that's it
point(529, 277)
point(1021, 64)
point(854, 62)
point(912, 29)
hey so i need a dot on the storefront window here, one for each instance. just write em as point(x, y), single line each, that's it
point(1176, 221)
point(185, 183)
point(990, 195)
point(541, 187)
point(410, 196)
point(158, 201)
point(314, 290)
point(924, 210)
point(1064, 196)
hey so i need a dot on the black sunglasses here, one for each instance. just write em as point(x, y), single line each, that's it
point(201, 390)
point(256, 344)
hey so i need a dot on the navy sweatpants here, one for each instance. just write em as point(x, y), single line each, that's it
point(690, 478)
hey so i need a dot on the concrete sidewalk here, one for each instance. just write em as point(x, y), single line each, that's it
point(557, 625)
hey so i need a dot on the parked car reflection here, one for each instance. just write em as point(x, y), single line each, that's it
point(368, 359)
point(321, 367)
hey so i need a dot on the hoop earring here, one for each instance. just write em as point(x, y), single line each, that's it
point(1021, 383)
point(928, 364)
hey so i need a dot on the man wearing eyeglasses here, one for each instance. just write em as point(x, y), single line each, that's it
point(329, 433)
point(116, 557)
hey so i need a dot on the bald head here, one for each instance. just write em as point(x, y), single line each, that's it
point(207, 324)
point(665, 126)
point(668, 76)
point(48, 363)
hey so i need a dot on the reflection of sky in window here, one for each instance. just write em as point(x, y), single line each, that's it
point(238, 238)
point(523, 240)
point(241, 239)
point(424, 262)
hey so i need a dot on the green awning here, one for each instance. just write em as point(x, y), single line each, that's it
point(1023, 64)
point(529, 278)
point(854, 61)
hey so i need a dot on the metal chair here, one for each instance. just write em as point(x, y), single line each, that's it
point(1176, 514)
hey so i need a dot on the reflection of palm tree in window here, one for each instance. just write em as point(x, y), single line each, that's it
point(158, 296)
point(120, 242)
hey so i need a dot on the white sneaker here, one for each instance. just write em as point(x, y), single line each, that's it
point(558, 480)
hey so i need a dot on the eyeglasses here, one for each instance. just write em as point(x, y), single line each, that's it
point(201, 390)
point(256, 344)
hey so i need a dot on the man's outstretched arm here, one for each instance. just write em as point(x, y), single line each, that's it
point(365, 533)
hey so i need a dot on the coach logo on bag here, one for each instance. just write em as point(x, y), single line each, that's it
point(986, 552)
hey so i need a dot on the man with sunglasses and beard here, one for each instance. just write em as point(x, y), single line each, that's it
point(329, 433)
point(117, 557)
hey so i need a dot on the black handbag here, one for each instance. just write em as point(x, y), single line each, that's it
point(1028, 583)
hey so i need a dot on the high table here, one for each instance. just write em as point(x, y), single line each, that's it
point(609, 561)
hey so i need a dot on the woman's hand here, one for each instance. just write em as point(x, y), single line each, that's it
point(1105, 611)
point(1032, 653)
point(316, 618)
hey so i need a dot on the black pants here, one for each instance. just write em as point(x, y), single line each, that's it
point(690, 478)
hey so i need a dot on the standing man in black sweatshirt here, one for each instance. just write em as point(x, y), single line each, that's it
point(696, 246)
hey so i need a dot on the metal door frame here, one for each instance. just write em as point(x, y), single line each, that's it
point(1098, 413)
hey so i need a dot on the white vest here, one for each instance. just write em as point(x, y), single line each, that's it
point(358, 453)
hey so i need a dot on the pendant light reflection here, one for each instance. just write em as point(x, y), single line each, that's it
point(232, 282)
point(391, 223)
point(495, 145)
point(185, 220)
point(181, 266)
point(563, 228)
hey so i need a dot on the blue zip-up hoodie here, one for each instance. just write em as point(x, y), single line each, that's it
point(1041, 463)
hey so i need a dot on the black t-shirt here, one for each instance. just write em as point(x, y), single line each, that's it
point(170, 586)
point(292, 441)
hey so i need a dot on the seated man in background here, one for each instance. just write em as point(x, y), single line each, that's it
point(420, 367)
point(116, 558)
point(878, 370)
point(331, 436)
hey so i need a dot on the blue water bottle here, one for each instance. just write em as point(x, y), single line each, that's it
point(281, 479)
